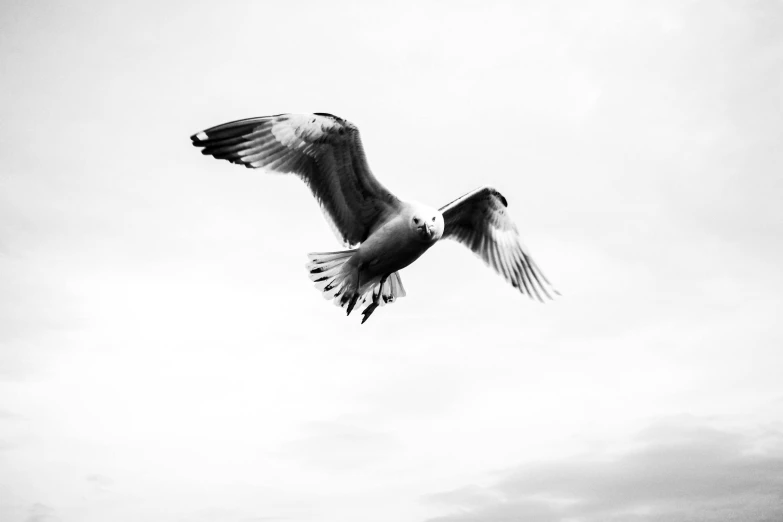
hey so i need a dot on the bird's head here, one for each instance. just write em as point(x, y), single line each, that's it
point(426, 223)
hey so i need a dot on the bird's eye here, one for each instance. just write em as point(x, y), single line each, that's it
point(433, 218)
point(416, 220)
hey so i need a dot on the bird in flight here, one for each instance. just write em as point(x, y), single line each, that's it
point(382, 233)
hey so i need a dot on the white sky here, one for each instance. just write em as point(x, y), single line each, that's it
point(163, 355)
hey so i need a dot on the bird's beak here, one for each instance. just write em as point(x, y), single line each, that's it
point(427, 231)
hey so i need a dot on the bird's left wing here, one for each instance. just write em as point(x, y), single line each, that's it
point(325, 151)
point(479, 220)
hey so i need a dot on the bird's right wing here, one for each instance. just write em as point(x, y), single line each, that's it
point(479, 221)
point(322, 149)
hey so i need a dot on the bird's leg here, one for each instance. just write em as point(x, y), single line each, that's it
point(375, 300)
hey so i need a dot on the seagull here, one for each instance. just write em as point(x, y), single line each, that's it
point(381, 233)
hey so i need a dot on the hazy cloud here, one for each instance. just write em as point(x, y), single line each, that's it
point(674, 472)
point(14, 432)
point(339, 446)
point(40, 513)
point(9, 415)
point(220, 514)
point(100, 482)
point(154, 308)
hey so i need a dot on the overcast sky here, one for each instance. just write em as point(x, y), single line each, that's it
point(163, 355)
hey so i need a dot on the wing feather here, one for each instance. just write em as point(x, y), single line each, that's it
point(324, 151)
point(479, 220)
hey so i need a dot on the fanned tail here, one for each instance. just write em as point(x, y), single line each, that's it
point(331, 275)
point(339, 282)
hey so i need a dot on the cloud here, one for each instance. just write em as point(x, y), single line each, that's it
point(13, 432)
point(220, 514)
point(101, 482)
point(337, 446)
point(40, 513)
point(675, 471)
point(9, 415)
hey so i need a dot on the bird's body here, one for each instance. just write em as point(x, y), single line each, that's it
point(395, 245)
point(389, 234)
point(392, 246)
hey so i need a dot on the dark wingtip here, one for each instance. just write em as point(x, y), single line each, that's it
point(328, 115)
point(502, 198)
point(198, 139)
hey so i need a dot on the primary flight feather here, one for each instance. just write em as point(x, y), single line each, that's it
point(388, 234)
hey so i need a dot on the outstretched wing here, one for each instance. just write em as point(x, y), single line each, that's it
point(479, 221)
point(322, 149)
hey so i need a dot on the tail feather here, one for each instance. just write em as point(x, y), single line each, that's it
point(330, 286)
point(326, 257)
point(397, 290)
point(339, 282)
point(326, 273)
point(329, 272)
